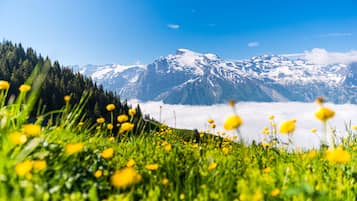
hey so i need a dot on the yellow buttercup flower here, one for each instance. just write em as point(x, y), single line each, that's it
point(212, 166)
point(122, 118)
point(107, 153)
point(4, 85)
point(125, 178)
point(232, 122)
point(132, 112)
point(338, 155)
point(232, 103)
point(74, 148)
point(110, 126)
point(354, 127)
point(152, 167)
point(167, 147)
point(287, 126)
point(313, 130)
point(67, 98)
point(23, 168)
point(98, 173)
point(165, 182)
point(324, 113)
point(24, 88)
point(130, 163)
point(39, 164)
point(210, 121)
point(18, 138)
point(32, 129)
point(275, 192)
point(271, 117)
point(100, 120)
point(126, 127)
point(320, 100)
point(182, 196)
point(110, 107)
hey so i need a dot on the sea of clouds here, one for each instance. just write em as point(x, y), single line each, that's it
point(255, 117)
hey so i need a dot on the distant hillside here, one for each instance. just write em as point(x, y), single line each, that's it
point(16, 65)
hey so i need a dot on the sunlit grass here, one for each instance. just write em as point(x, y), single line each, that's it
point(62, 156)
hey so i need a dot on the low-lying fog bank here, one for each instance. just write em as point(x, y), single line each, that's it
point(255, 117)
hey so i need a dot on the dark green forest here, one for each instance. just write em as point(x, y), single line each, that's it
point(17, 65)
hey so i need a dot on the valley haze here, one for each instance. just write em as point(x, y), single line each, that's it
point(255, 117)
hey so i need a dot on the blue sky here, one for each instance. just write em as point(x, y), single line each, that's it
point(130, 31)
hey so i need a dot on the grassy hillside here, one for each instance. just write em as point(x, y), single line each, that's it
point(67, 160)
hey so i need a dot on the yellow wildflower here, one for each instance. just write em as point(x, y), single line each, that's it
point(213, 126)
point(126, 127)
point(275, 192)
point(312, 154)
point(130, 163)
point(354, 127)
point(74, 148)
point(23, 168)
point(98, 173)
point(125, 177)
point(165, 182)
point(4, 85)
point(271, 117)
point(287, 126)
point(232, 103)
point(324, 113)
point(258, 196)
point(232, 122)
point(39, 164)
point(67, 98)
point(122, 118)
point(265, 130)
point(152, 167)
point(338, 155)
point(313, 130)
point(100, 120)
point(110, 107)
point(24, 88)
point(107, 153)
point(110, 126)
point(267, 170)
point(320, 100)
point(182, 196)
point(167, 147)
point(132, 112)
point(32, 129)
point(210, 121)
point(212, 166)
point(80, 124)
point(18, 138)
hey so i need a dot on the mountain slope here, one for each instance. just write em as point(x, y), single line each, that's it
point(188, 77)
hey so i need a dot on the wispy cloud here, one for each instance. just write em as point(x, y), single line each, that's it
point(253, 44)
point(173, 26)
point(322, 56)
point(337, 34)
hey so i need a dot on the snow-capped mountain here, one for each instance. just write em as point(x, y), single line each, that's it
point(188, 77)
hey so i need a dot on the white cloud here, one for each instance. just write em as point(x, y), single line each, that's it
point(253, 44)
point(173, 26)
point(322, 56)
point(337, 34)
point(255, 117)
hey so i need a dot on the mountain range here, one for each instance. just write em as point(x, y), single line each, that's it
point(188, 77)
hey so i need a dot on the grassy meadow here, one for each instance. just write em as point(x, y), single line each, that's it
point(61, 156)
